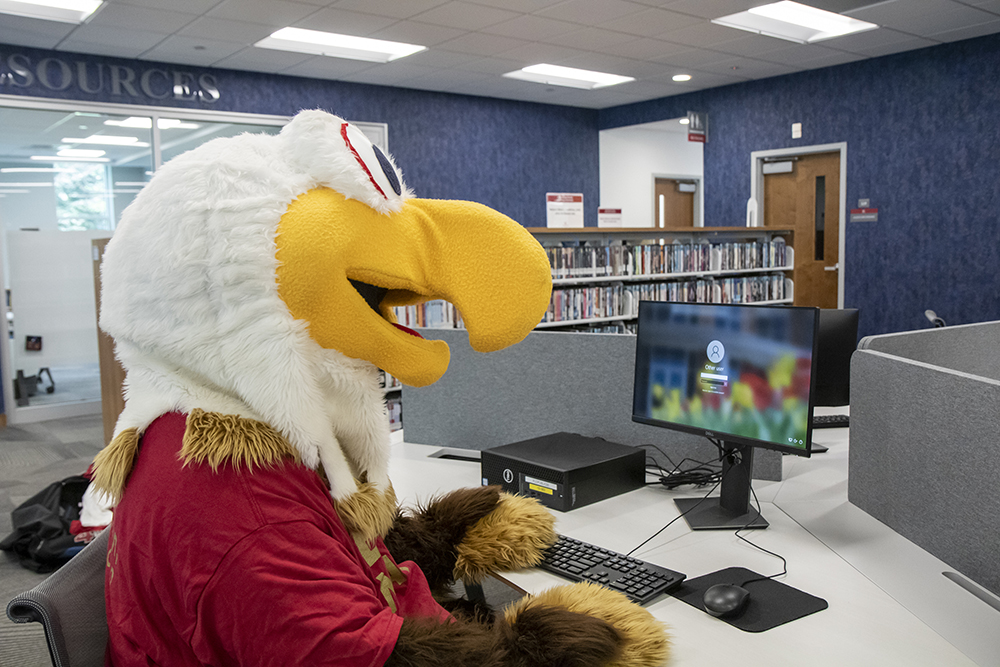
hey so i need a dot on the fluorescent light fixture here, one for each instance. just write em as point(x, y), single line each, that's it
point(65, 11)
point(145, 123)
point(681, 77)
point(31, 184)
point(79, 152)
point(794, 22)
point(31, 170)
point(105, 140)
point(331, 44)
point(64, 158)
point(130, 184)
point(556, 75)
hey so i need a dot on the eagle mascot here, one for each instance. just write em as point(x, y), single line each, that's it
point(249, 290)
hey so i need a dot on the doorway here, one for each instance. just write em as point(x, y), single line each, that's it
point(674, 203)
point(804, 190)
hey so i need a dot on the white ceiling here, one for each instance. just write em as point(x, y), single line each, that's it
point(471, 43)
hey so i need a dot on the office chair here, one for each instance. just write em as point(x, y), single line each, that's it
point(70, 606)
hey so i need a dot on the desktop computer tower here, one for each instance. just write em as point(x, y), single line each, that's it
point(565, 470)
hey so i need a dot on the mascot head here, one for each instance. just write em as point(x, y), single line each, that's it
point(255, 277)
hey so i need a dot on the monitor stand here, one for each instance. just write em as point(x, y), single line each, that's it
point(732, 508)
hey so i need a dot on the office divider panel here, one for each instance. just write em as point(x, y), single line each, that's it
point(549, 382)
point(924, 442)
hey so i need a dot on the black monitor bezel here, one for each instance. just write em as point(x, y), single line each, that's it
point(732, 439)
point(833, 323)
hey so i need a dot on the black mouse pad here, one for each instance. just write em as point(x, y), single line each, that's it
point(772, 603)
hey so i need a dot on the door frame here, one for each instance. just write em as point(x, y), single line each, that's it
point(698, 217)
point(755, 205)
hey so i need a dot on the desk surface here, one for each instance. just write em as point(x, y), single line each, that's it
point(889, 603)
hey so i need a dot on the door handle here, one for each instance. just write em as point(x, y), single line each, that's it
point(835, 267)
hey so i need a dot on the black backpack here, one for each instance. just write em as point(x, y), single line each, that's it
point(41, 538)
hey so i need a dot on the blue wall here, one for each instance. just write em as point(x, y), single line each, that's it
point(923, 144)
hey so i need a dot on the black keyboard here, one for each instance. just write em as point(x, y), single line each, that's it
point(578, 561)
point(831, 421)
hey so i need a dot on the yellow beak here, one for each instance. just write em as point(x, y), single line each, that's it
point(493, 271)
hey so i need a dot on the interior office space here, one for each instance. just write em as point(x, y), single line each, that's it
point(919, 117)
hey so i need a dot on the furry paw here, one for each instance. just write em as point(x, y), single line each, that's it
point(511, 537)
point(543, 635)
point(644, 639)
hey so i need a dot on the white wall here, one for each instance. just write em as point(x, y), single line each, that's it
point(631, 157)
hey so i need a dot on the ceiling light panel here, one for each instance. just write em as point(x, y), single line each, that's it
point(64, 11)
point(334, 45)
point(571, 77)
point(794, 22)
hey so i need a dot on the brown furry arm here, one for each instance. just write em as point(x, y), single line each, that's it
point(539, 637)
point(430, 535)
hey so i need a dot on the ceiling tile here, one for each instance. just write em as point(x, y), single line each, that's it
point(438, 58)
point(131, 42)
point(322, 67)
point(180, 49)
point(389, 74)
point(790, 53)
point(480, 44)
point(592, 39)
point(526, 6)
point(128, 17)
point(747, 67)
point(531, 27)
point(712, 9)
point(533, 53)
point(878, 42)
point(490, 66)
point(693, 58)
point(944, 21)
point(987, 5)
point(413, 32)
point(390, 8)
point(274, 13)
point(753, 45)
point(704, 35)
point(644, 49)
point(968, 33)
point(650, 22)
point(344, 22)
point(592, 12)
point(262, 60)
point(185, 6)
point(226, 29)
point(20, 31)
point(465, 15)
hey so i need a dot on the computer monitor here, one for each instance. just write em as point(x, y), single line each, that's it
point(836, 342)
point(742, 375)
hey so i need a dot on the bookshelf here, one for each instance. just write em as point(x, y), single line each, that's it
point(601, 274)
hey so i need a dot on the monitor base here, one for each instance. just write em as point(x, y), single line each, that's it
point(710, 515)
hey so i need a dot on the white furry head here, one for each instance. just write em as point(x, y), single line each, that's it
point(189, 294)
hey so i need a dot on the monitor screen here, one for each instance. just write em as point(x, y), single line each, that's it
point(835, 343)
point(739, 373)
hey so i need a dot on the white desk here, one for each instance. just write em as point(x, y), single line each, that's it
point(889, 603)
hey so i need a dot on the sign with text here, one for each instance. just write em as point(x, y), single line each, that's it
point(697, 126)
point(564, 209)
point(864, 215)
point(609, 217)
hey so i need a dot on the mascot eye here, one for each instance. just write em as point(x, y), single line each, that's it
point(375, 164)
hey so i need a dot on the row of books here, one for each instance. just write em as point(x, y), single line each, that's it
point(434, 314)
point(389, 382)
point(618, 300)
point(644, 259)
point(394, 407)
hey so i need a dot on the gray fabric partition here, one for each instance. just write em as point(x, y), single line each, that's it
point(924, 441)
point(549, 382)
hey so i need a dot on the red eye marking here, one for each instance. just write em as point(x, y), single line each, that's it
point(343, 133)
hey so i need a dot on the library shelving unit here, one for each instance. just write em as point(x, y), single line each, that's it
point(601, 274)
point(393, 389)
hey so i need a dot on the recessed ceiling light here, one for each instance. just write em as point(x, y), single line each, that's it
point(105, 140)
point(682, 77)
point(145, 123)
point(337, 46)
point(794, 22)
point(567, 76)
point(79, 152)
point(684, 121)
point(64, 158)
point(64, 11)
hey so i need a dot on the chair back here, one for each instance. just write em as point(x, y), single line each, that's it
point(70, 606)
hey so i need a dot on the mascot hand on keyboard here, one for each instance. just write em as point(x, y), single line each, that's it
point(250, 289)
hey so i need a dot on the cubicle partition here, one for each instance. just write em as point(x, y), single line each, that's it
point(547, 383)
point(925, 439)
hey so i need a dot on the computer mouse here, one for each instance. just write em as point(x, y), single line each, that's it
point(724, 600)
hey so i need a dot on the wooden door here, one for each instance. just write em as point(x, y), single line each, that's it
point(807, 200)
point(674, 207)
point(112, 373)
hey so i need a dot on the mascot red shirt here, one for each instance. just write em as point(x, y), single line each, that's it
point(250, 289)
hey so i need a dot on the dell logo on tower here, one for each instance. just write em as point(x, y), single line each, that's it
point(508, 476)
